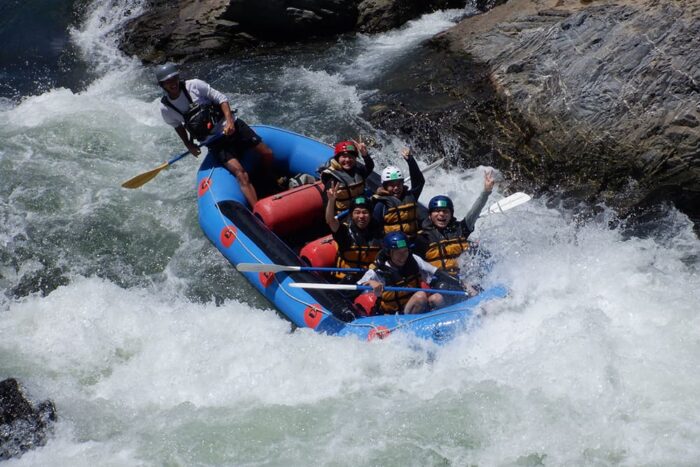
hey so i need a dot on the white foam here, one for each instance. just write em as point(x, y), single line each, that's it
point(380, 51)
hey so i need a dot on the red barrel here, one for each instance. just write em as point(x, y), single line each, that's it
point(364, 303)
point(320, 253)
point(292, 211)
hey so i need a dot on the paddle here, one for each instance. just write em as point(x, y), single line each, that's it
point(146, 177)
point(257, 267)
point(425, 169)
point(318, 285)
point(516, 199)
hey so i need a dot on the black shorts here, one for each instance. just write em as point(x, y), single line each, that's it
point(235, 145)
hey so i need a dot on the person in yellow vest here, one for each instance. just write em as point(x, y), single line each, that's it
point(396, 266)
point(344, 169)
point(396, 205)
point(358, 241)
point(443, 239)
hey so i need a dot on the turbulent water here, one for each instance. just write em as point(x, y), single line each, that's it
point(156, 352)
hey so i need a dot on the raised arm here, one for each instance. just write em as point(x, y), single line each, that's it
point(417, 178)
point(478, 206)
point(366, 159)
point(332, 222)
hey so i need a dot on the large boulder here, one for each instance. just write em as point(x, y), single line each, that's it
point(181, 29)
point(22, 426)
point(593, 99)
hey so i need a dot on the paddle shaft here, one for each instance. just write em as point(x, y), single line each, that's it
point(257, 267)
point(309, 285)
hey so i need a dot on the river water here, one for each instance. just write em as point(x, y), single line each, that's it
point(156, 352)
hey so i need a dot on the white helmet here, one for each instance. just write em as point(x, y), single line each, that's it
point(391, 173)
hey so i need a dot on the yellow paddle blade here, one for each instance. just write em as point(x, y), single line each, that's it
point(143, 178)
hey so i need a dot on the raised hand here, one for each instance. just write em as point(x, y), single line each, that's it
point(332, 192)
point(489, 181)
point(361, 147)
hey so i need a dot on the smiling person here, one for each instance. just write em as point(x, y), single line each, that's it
point(196, 111)
point(349, 174)
point(359, 241)
point(443, 239)
point(396, 266)
point(396, 206)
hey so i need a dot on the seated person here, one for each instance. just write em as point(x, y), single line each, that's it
point(196, 110)
point(396, 206)
point(344, 169)
point(359, 241)
point(443, 239)
point(395, 266)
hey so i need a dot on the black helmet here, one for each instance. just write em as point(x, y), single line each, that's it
point(166, 71)
point(360, 202)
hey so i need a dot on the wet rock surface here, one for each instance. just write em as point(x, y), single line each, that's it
point(599, 101)
point(181, 29)
point(22, 426)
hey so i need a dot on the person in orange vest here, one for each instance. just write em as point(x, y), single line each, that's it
point(358, 241)
point(344, 169)
point(443, 239)
point(396, 206)
point(396, 266)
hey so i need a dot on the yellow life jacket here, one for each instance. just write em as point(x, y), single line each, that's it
point(406, 276)
point(400, 214)
point(445, 247)
point(350, 187)
point(361, 254)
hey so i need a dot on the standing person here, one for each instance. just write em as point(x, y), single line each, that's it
point(196, 110)
point(344, 169)
point(396, 206)
point(395, 266)
point(443, 239)
point(359, 241)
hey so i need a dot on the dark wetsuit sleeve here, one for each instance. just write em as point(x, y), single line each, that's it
point(417, 178)
point(342, 237)
point(469, 220)
point(369, 165)
point(378, 213)
point(420, 246)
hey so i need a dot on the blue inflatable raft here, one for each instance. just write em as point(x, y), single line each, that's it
point(242, 236)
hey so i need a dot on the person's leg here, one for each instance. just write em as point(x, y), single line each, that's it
point(418, 303)
point(436, 300)
point(266, 154)
point(247, 188)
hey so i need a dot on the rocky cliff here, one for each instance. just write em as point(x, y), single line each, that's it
point(182, 29)
point(599, 100)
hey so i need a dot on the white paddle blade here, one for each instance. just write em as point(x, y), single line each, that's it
point(516, 199)
point(258, 267)
point(314, 285)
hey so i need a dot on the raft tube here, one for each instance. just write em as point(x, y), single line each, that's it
point(242, 237)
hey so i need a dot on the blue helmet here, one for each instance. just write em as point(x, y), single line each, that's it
point(440, 202)
point(395, 241)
